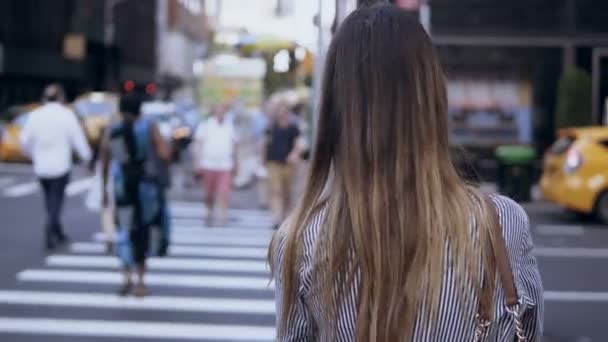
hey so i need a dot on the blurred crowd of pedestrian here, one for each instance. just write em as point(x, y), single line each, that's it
point(132, 165)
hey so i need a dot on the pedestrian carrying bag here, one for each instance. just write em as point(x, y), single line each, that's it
point(505, 275)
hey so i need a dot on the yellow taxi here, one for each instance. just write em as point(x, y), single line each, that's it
point(95, 109)
point(10, 147)
point(575, 171)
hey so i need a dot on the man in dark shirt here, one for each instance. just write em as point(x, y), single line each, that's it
point(283, 150)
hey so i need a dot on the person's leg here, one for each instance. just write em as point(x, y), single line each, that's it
point(224, 188)
point(276, 202)
point(45, 184)
point(165, 225)
point(209, 181)
point(59, 193)
point(140, 242)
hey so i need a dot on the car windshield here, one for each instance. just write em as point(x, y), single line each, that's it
point(562, 145)
point(92, 108)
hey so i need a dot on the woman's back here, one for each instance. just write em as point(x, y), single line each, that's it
point(404, 249)
point(456, 316)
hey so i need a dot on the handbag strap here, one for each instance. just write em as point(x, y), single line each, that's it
point(498, 250)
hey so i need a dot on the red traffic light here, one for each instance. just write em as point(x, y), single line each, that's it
point(129, 86)
point(150, 88)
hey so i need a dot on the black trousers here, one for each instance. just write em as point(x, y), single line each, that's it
point(54, 195)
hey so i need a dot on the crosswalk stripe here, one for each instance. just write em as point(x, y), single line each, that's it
point(199, 213)
point(200, 239)
point(241, 223)
point(151, 330)
point(571, 252)
point(202, 230)
point(112, 301)
point(79, 186)
point(199, 208)
point(20, 190)
point(182, 250)
point(155, 279)
point(161, 263)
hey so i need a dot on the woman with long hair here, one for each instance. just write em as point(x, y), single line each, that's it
point(388, 242)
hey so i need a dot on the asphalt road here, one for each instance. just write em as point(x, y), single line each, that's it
point(215, 286)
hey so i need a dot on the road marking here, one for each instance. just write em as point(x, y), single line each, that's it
point(4, 181)
point(121, 329)
point(575, 296)
point(240, 222)
point(181, 250)
point(200, 208)
point(202, 230)
point(571, 252)
point(178, 264)
point(202, 239)
point(557, 229)
point(243, 216)
point(21, 190)
point(91, 300)
point(177, 280)
point(79, 186)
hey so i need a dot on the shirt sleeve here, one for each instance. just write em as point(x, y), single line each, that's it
point(531, 285)
point(78, 139)
point(300, 325)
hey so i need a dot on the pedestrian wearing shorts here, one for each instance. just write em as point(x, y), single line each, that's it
point(215, 160)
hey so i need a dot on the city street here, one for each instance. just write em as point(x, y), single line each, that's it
point(215, 285)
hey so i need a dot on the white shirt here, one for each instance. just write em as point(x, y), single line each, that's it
point(216, 144)
point(49, 135)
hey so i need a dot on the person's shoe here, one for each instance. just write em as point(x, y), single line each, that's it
point(140, 291)
point(163, 248)
point(125, 289)
point(49, 242)
point(109, 247)
point(62, 239)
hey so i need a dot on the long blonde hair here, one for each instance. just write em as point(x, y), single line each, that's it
point(395, 200)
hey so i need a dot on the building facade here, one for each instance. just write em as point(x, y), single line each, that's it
point(95, 44)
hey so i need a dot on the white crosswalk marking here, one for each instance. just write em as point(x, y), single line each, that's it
point(21, 190)
point(219, 274)
point(76, 187)
point(186, 251)
point(152, 330)
point(190, 304)
point(161, 263)
point(207, 239)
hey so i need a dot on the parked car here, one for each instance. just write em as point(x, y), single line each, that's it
point(94, 110)
point(10, 146)
point(575, 171)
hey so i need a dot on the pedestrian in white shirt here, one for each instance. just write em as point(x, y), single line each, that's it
point(50, 135)
point(215, 160)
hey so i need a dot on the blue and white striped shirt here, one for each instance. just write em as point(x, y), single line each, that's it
point(306, 322)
